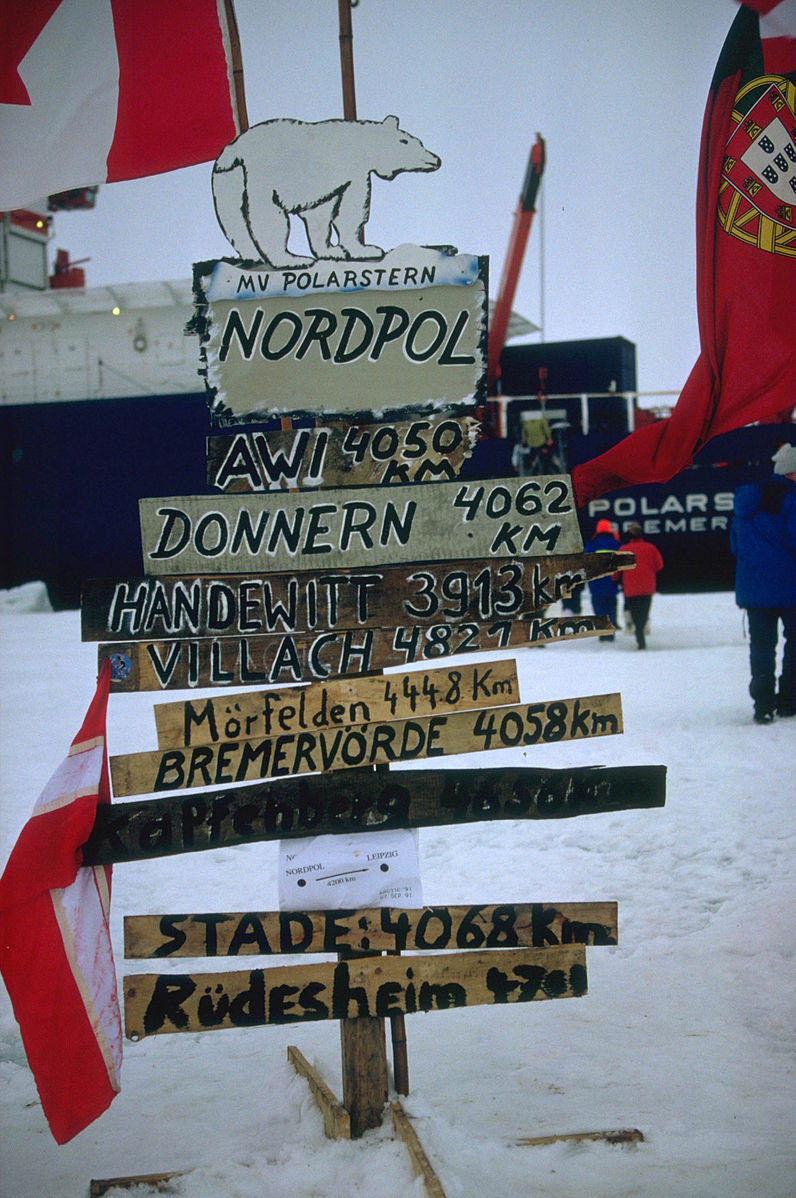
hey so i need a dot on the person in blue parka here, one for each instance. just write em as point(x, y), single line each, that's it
point(604, 590)
point(763, 539)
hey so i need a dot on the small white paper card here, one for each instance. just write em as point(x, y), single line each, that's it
point(368, 869)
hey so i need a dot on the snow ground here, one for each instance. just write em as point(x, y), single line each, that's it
point(686, 1032)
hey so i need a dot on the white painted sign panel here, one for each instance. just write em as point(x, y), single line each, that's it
point(363, 526)
point(405, 332)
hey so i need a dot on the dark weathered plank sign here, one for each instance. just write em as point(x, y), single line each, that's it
point(237, 534)
point(366, 986)
point(251, 715)
point(351, 337)
point(311, 750)
point(363, 800)
point(321, 600)
point(371, 929)
point(339, 455)
point(277, 658)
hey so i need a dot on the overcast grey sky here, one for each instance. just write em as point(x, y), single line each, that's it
point(616, 87)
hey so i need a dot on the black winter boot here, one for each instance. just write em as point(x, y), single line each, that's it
point(761, 688)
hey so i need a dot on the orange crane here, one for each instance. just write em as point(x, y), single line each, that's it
point(521, 227)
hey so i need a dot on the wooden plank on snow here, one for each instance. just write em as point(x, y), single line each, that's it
point(421, 1165)
point(336, 1119)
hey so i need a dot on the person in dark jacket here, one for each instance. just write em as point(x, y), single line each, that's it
point(763, 539)
point(603, 591)
point(640, 583)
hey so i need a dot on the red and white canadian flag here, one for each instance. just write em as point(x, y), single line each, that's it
point(746, 259)
point(96, 91)
point(55, 945)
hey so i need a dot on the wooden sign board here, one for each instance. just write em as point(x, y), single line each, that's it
point(360, 988)
point(364, 526)
point(341, 455)
point(363, 800)
point(320, 600)
point(252, 715)
point(275, 658)
point(311, 750)
point(405, 333)
point(374, 929)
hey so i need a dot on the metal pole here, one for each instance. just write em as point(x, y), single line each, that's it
point(347, 60)
point(400, 1055)
point(541, 263)
point(237, 67)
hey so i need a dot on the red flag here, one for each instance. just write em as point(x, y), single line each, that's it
point(95, 91)
point(746, 259)
point(55, 947)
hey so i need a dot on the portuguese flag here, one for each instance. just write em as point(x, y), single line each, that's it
point(746, 259)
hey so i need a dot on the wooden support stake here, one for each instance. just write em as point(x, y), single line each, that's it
point(400, 1056)
point(421, 1165)
point(626, 1135)
point(336, 1120)
point(155, 1181)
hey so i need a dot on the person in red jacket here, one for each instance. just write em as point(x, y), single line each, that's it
point(640, 583)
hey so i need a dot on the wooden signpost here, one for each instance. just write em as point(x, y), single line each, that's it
point(337, 455)
point(321, 599)
point(363, 800)
point(404, 333)
point(375, 929)
point(340, 748)
point(361, 527)
point(512, 953)
point(250, 715)
point(310, 566)
point(358, 988)
point(288, 658)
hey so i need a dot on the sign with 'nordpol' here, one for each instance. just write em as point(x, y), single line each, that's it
point(405, 331)
point(361, 527)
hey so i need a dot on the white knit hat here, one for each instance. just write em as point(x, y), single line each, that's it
point(785, 460)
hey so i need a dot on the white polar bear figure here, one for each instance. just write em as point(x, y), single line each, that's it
point(319, 171)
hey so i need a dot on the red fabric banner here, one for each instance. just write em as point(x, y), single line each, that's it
point(174, 86)
point(55, 947)
point(746, 263)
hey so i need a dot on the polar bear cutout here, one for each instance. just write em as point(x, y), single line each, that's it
point(320, 172)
